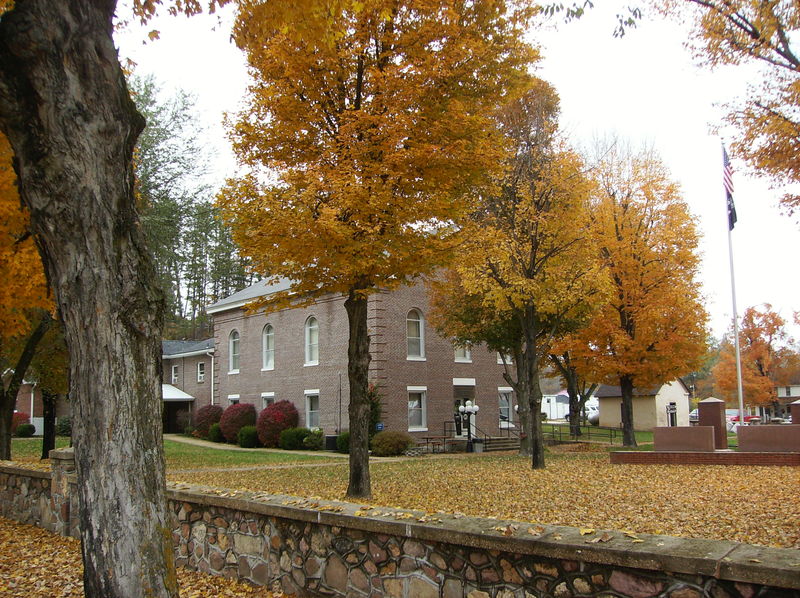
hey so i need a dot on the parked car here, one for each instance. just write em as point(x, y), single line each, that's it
point(747, 418)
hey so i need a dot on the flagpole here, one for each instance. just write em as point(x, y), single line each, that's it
point(731, 220)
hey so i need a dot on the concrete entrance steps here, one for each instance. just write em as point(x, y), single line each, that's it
point(501, 443)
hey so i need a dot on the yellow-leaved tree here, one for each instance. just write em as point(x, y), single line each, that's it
point(652, 329)
point(527, 258)
point(368, 128)
point(25, 303)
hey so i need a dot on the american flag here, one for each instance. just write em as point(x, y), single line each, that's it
point(727, 180)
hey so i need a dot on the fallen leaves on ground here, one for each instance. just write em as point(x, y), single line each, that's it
point(583, 491)
point(35, 563)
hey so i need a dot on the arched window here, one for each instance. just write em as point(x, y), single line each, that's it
point(415, 334)
point(312, 341)
point(268, 348)
point(233, 352)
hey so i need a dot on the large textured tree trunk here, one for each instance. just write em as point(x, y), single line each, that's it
point(65, 108)
point(358, 376)
point(628, 435)
point(8, 398)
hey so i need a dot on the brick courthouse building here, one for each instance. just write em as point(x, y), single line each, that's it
point(301, 355)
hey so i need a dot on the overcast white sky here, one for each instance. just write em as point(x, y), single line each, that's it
point(644, 87)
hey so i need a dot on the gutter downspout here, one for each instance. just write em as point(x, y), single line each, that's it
point(211, 355)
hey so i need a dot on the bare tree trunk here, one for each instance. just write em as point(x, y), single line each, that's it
point(8, 398)
point(358, 359)
point(65, 108)
point(49, 417)
point(628, 435)
point(537, 440)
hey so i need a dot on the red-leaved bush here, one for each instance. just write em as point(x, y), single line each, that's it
point(274, 419)
point(234, 418)
point(205, 416)
point(19, 417)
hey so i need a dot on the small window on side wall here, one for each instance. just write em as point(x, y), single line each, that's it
point(174, 375)
point(233, 352)
point(268, 348)
point(312, 341)
point(463, 354)
point(312, 411)
point(415, 335)
point(201, 371)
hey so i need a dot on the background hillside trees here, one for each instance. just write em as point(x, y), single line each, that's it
point(368, 129)
point(196, 260)
point(652, 329)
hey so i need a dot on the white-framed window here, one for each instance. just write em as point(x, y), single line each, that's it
point(268, 348)
point(504, 356)
point(415, 335)
point(312, 408)
point(233, 399)
point(463, 354)
point(505, 398)
point(233, 352)
point(312, 341)
point(174, 374)
point(267, 399)
point(417, 408)
point(201, 371)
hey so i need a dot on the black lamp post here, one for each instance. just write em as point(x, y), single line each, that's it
point(467, 411)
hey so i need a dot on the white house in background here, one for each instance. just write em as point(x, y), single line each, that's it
point(651, 406)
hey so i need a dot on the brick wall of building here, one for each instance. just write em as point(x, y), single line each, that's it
point(390, 368)
point(187, 377)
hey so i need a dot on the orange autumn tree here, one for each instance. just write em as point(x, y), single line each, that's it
point(24, 300)
point(368, 128)
point(653, 327)
point(766, 34)
point(769, 358)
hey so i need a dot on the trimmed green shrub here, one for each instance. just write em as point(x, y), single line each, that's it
point(19, 417)
point(234, 418)
point(291, 439)
point(343, 442)
point(215, 433)
point(205, 416)
point(391, 443)
point(64, 426)
point(248, 437)
point(25, 430)
point(274, 419)
point(314, 441)
point(188, 430)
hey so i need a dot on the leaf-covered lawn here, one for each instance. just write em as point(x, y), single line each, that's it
point(757, 505)
point(186, 456)
point(35, 563)
point(183, 456)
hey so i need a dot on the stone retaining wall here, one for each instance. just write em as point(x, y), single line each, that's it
point(320, 548)
point(703, 458)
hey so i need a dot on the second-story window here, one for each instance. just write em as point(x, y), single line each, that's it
point(233, 352)
point(268, 348)
point(312, 341)
point(415, 335)
point(463, 354)
point(201, 371)
point(174, 375)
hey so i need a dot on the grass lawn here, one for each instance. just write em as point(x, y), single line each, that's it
point(582, 490)
point(183, 456)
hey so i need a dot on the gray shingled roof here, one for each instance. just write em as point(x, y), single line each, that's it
point(180, 347)
point(255, 290)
